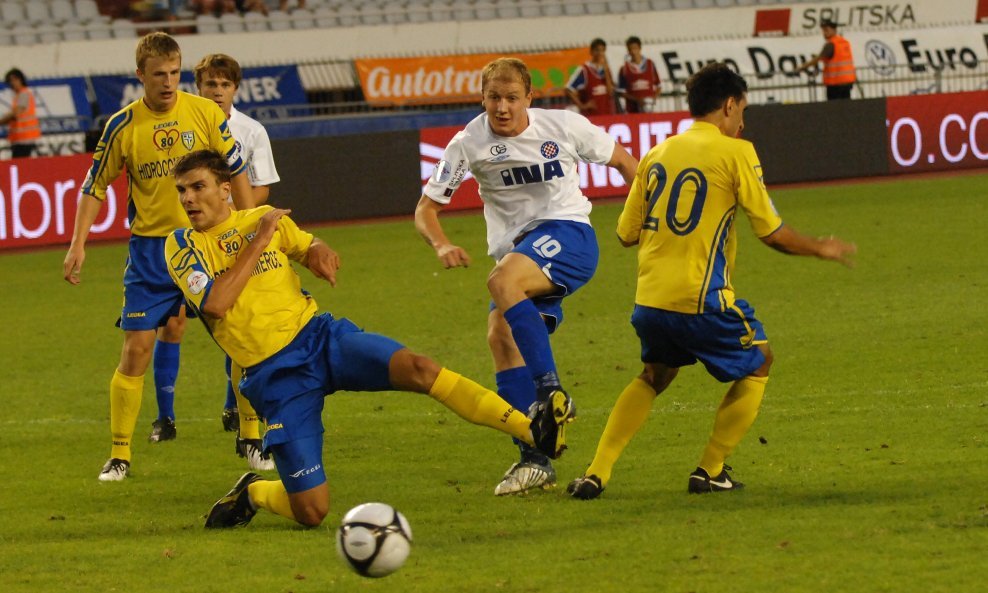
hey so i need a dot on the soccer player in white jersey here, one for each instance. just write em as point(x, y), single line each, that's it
point(218, 78)
point(538, 232)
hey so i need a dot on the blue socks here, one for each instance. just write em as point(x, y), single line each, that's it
point(165, 375)
point(515, 386)
point(532, 339)
point(231, 398)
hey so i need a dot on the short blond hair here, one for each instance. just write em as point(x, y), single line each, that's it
point(156, 45)
point(506, 70)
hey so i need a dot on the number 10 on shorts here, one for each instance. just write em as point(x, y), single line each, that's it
point(546, 246)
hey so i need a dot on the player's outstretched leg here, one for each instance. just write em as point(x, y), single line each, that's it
point(231, 415)
point(235, 508)
point(165, 363)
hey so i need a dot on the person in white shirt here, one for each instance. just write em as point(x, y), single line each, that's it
point(538, 232)
point(218, 77)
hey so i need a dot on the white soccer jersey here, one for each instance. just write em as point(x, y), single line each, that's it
point(523, 180)
point(255, 147)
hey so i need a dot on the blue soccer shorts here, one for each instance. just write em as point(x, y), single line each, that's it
point(725, 342)
point(150, 296)
point(288, 390)
point(567, 253)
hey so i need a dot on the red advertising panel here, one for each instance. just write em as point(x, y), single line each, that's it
point(772, 22)
point(38, 199)
point(638, 133)
point(937, 132)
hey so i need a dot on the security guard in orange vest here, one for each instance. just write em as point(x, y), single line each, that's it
point(838, 64)
point(25, 130)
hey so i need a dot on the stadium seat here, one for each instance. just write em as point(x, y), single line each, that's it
point(440, 10)
point(48, 33)
point(24, 35)
point(394, 12)
point(87, 12)
point(507, 9)
point(703, 3)
point(207, 24)
point(98, 30)
point(370, 13)
point(574, 8)
point(660, 4)
point(463, 10)
point(347, 15)
point(529, 8)
point(62, 11)
point(37, 13)
point(232, 22)
point(123, 29)
point(72, 31)
point(12, 13)
point(485, 10)
point(682, 3)
point(303, 18)
point(325, 17)
point(6, 38)
point(255, 21)
point(418, 11)
point(552, 7)
point(279, 20)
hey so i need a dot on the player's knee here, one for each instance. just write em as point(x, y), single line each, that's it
point(762, 371)
point(312, 514)
point(413, 372)
point(658, 377)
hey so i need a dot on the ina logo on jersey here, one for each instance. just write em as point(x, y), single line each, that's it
point(547, 171)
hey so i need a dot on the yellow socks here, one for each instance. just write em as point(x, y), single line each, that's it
point(125, 404)
point(628, 415)
point(479, 405)
point(250, 425)
point(272, 496)
point(735, 416)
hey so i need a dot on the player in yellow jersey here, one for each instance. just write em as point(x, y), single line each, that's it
point(235, 271)
point(147, 137)
point(681, 212)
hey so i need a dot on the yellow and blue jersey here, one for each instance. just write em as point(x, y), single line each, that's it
point(271, 310)
point(148, 144)
point(681, 211)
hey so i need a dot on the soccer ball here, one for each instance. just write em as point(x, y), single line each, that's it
point(374, 539)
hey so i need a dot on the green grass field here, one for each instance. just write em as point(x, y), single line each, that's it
point(870, 474)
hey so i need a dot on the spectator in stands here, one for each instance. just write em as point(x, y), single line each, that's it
point(283, 4)
point(838, 63)
point(218, 77)
point(591, 88)
point(24, 128)
point(638, 79)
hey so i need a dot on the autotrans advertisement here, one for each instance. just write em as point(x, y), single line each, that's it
point(39, 197)
point(637, 133)
point(937, 132)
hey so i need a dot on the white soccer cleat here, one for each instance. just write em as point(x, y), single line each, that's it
point(525, 476)
point(114, 470)
point(250, 449)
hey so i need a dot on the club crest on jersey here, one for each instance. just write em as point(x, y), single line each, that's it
point(499, 152)
point(550, 149)
point(188, 140)
point(198, 281)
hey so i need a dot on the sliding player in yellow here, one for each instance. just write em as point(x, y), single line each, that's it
point(235, 271)
point(148, 137)
point(681, 212)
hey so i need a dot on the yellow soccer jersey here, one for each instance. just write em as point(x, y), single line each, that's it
point(681, 210)
point(148, 144)
point(271, 310)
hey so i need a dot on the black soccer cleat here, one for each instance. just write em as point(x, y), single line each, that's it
point(231, 419)
point(585, 487)
point(234, 509)
point(549, 419)
point(702, 483)
point(162, 430)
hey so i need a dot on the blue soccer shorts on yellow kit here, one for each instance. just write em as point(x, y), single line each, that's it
point(288, 390)
point(150, 296)
point(725, 342)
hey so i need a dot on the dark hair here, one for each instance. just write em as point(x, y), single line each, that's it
point(220, 65)
point(203, 159)
point(828, 23)
point(711, 86)
point(632, 39)
point(14, 72)
point(598, 42)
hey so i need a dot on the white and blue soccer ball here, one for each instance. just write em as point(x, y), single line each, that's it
point(374, 539)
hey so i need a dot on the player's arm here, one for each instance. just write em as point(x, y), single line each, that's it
point(322, 261)
point(242, 192)
point(629, 227)
point(825, 54)
point(427, 224)
point(626, 164)
point(792, 242)
point(85, 216)
point(261, 162)
point(228, 286)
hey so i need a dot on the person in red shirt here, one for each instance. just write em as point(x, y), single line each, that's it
point(591, 87)
point(638, 79)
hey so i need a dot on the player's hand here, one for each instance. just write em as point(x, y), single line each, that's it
point(267, 226)
point(453, 256)
point(323, 262)
point(72, 266)
point(836, 250)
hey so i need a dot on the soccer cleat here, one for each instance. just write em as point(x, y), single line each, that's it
point(114, 470)
point(251, 449)
point(585, 487)
point(162, 430)
point(233, 509)
point(526, 475)
point(549, 419)
point(701, 482)
point(231, 419)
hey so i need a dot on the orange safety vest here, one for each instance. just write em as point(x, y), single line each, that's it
point(25, 128)
point(840, 68)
